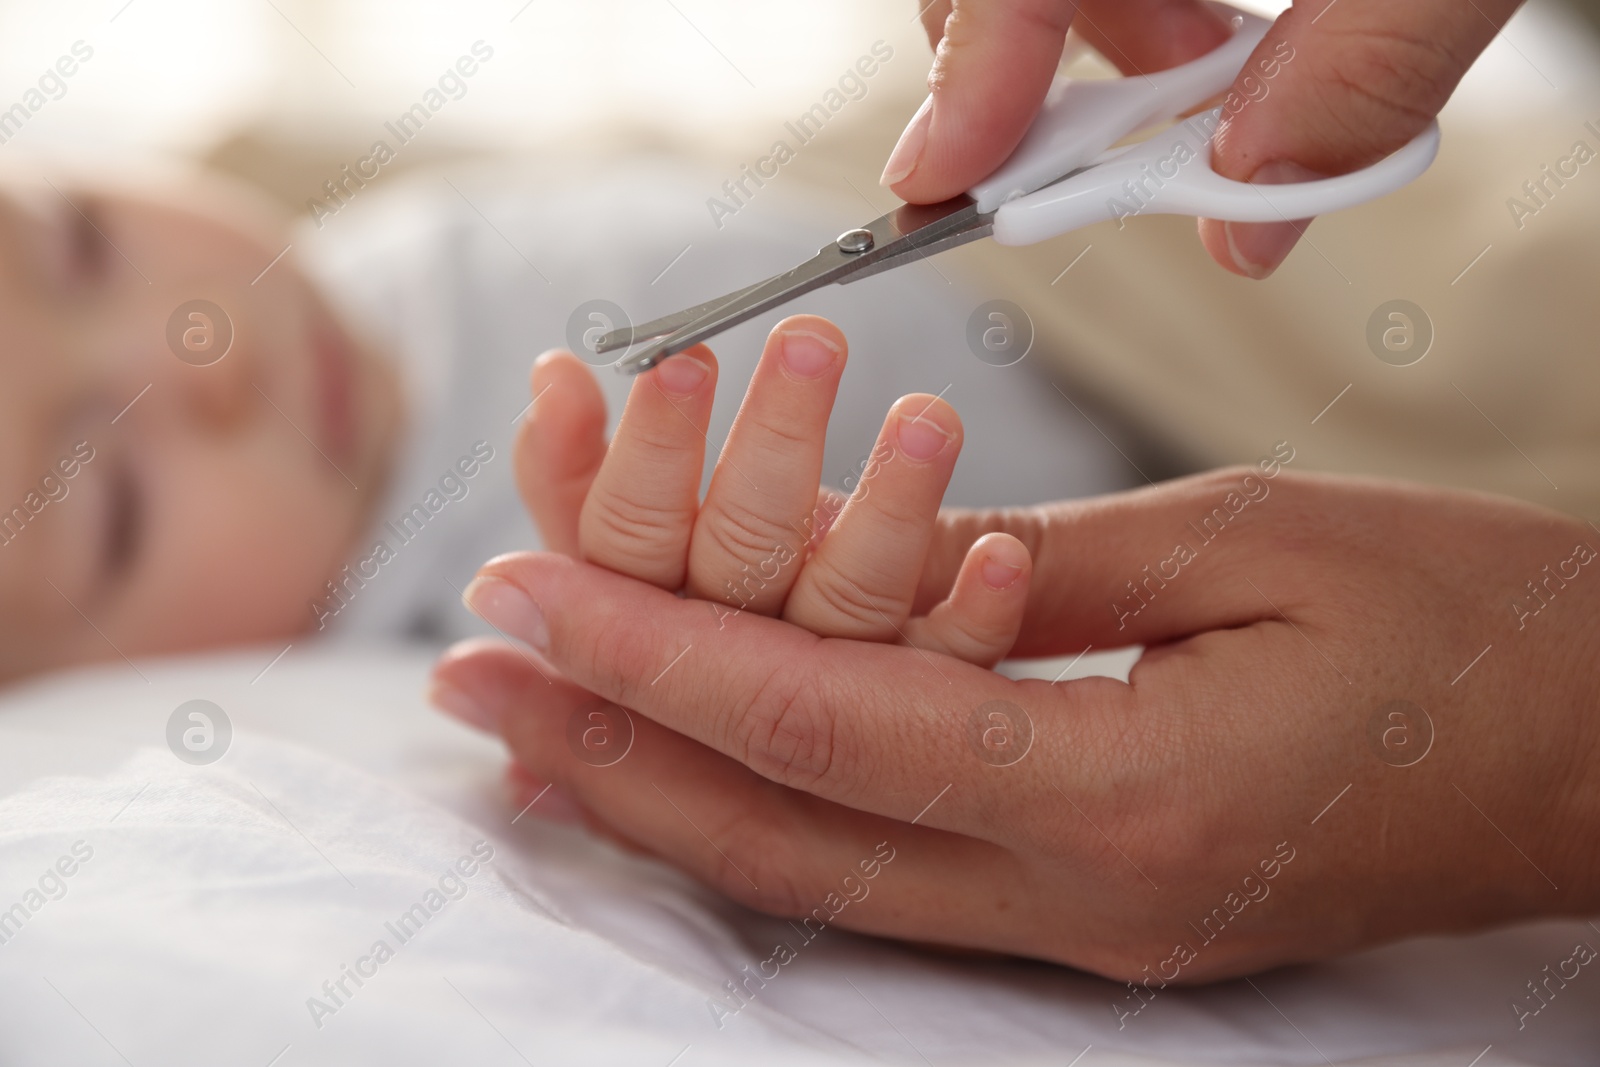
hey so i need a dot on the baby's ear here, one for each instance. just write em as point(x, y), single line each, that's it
point(559, 446)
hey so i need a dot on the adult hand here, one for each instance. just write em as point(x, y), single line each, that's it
point(1355, 80)
point(1254, 795)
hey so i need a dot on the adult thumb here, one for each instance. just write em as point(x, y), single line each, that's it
point(1335, 86)
point(994, 61)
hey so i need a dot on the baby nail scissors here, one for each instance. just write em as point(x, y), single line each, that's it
point(1063, 176)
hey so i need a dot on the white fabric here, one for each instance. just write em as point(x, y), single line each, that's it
point(218, 900)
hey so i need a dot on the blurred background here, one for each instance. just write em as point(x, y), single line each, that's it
point(186, 76)
point(285, 92)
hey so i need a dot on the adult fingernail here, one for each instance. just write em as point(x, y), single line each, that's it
point(508, 609)
point(548, 802)
point(458, 705)
point(921, 438)
point(908, 150)
point(1259, 248)
point(808, 354)
point(999, 575)
point(681, 375)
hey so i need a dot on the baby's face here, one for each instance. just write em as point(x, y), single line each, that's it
point(149, 503)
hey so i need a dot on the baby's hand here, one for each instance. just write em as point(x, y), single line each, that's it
point(766, 539)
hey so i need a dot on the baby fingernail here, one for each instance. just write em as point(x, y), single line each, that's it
point(808, 354)
point(921, 438)
point(681, 375)
point(999, 575)
point(908, 150)
point(460, 706)
point(508, 609)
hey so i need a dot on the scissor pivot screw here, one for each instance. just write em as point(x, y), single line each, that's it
point(855, 241)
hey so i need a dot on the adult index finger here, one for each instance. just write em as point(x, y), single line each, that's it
point(886, 729)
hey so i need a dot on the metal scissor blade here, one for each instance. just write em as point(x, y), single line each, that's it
point(912, 229)
point(628, 336)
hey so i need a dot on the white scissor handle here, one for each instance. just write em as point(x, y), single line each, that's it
point(1081, 119)
point(1170, 174)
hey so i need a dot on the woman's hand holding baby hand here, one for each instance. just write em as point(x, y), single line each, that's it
point(1341, 734)
point(886, 565)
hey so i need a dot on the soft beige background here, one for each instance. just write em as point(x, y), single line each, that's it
point(1211, 368)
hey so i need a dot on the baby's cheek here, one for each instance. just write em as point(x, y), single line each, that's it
point(239, 546)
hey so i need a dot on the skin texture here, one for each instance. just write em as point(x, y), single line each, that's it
point(1366, 76)
point(204, 516)
point(766, 540)
point(1247, 799)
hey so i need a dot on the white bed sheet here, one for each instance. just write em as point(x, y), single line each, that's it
point(218, 899)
